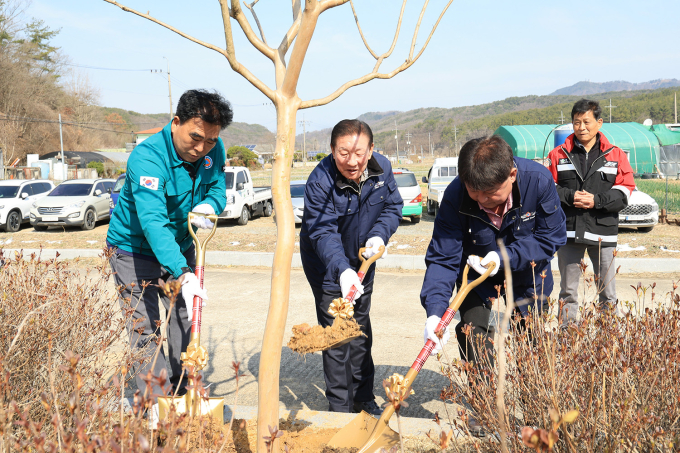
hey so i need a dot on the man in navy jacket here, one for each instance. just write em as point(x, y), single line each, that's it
point(351, 201)
point(495, 196)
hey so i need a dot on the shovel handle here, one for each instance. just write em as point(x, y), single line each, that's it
point(449, 314)
point(365, 264)
point(197, 307)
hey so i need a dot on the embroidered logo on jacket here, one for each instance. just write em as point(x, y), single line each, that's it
point(208, 162)
point(528, 216)
point(149, 182)
point(611, 163)
point(379, 184)
point(564, 161)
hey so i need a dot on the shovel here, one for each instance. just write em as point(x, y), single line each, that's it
point(365, 264)
point(369, 434)
point(196, 356)
point(307, 340)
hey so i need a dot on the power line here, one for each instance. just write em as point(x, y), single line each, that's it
point(41, 120)
point(111, 69)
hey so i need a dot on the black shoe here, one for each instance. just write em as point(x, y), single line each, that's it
point(367, 406)
point(475, 428)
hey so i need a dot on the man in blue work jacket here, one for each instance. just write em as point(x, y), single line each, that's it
point(351, 201)
point(495, 196)
point(175, 171)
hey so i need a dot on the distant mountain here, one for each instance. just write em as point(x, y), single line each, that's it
point(585, 88)
point(235, 134)
point(446, 129)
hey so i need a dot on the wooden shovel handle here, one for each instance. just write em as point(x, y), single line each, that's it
point(365, 264)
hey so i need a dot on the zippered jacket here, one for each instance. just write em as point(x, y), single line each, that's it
point(159, 192)
point(610, 180)
point(532, 230)
point(340, 217)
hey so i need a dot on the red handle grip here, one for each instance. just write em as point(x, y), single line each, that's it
point(197, 307)
point(449, 314)
point(353, 291)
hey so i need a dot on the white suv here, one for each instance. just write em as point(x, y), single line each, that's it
point(76, 202)
point(642, 212)
point(16, 197)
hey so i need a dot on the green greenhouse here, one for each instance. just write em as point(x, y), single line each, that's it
point(650, 149)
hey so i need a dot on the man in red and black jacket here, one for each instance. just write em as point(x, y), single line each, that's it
point(594, 181)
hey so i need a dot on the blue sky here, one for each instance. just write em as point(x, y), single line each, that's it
point(482, 51)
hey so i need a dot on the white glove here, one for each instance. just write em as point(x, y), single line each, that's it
point(479, 265)
point(430, 326)
point(372, 246)
point(348, 279)
point(202, 222)
point(192, 287)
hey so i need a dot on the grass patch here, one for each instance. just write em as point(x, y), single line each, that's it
point(656, 188)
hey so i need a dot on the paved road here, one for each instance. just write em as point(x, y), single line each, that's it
point(234, 324)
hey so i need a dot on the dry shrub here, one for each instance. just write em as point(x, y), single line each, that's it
point(620, 373)
point(64, 361)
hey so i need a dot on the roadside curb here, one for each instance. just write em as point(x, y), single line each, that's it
point(407, 262)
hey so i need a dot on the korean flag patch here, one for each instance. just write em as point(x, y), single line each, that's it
point(149, 182)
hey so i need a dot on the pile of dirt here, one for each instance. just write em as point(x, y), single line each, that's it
point(308, 339)
point(298, 436)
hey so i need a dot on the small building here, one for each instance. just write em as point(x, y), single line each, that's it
point(143, 135)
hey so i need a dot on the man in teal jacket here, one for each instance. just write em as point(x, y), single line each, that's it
point(176, 171)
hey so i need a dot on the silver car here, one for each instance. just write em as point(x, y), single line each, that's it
point(76, 202)
point(297, 195)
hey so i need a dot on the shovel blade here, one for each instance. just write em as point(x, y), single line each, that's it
point(213, 407)
point(357, 432)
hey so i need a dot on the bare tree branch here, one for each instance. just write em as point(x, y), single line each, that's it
point(374, 74)
point(356, 19)
point(308, 22)
point(259, 26)
point(237, 13)
point(415, 32)
point(328, 4)
point(296, 9)
point(289, 38)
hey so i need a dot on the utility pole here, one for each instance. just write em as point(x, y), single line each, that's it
point(610, 107)
point(304, 138)
point(408, 143)
point(396, 137)
point(429, 143)
point(63, 161)
point(169, 89)
point(561, 119)
point(455, 138)
point(676, 107)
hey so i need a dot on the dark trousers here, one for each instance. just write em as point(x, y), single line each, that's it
point(474, 311)
point(347, 370)
point(144, 326)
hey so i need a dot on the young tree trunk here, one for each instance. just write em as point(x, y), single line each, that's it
point(270, 357)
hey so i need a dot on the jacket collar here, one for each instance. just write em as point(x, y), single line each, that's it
point(373, 168)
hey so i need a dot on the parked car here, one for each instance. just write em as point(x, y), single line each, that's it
point(115, 192)
point(297, 195)
point(642, 212)
point(76, 202)
point(16, 197)
point(244, 200)
point(410, 192)
point(444, 170)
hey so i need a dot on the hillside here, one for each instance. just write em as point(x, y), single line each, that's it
point(235, 134)
point(585, 88)
point(444, 128)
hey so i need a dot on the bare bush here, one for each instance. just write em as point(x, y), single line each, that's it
point(608, 383)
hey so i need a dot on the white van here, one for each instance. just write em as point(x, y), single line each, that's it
point(444, 170)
